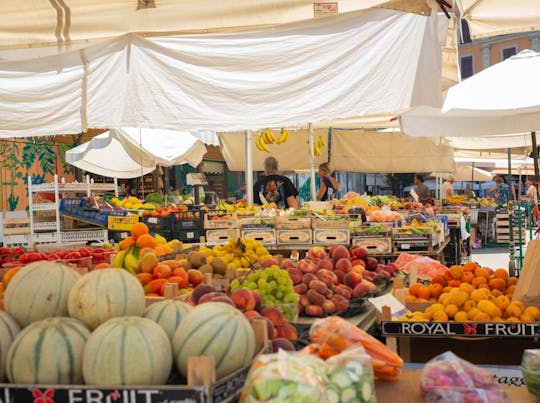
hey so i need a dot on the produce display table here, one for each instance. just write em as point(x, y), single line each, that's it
point(408, 385)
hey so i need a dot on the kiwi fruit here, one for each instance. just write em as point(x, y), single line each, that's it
point(196, 259)
point(206, 268)
point(219, 265)
point(186, 265)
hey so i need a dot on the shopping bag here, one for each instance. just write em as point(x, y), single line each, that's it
point(527, 289)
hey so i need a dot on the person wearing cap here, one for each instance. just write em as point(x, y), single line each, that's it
point(448, 186)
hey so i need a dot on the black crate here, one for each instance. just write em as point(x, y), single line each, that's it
point(187, 220)
point(158, 223)
point(188, 235)
point(118, 236)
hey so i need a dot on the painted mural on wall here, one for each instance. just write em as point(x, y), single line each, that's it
point(41, 159)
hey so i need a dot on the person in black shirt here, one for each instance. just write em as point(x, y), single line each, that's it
point(275, 188)
point(329, 185)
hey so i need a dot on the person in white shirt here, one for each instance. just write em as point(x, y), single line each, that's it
point(448, 186)
point(532, 193)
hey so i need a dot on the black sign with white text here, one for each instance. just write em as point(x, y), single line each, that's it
point(449, 329)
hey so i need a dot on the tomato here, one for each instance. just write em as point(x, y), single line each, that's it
point(85, 252)
point(73, 255)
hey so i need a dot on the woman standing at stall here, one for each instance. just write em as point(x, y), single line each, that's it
point(329, 185)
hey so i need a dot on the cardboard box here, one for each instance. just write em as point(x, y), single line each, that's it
point(294, 237)
point(265, 236)
point(332, 236)
point(375, 244)
point(219, 236)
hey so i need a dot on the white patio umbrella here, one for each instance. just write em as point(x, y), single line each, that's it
point(130, 153)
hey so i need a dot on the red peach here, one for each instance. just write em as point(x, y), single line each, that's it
point(344, 265)
point(358, 252)
point(288, 264)
point(314, 310)
point(307, 266)
point(243, 299)
point(301, 288)
point(329, 307)
point(352, 278)
point(308, 277)
point(274, 315)
point(326, 264)
point(287, 331)
point(328, 277)
point(195, 277)
point(251, 314)
point(295, 275)
point(269, 262)
point(340, 252)
point(317, 251)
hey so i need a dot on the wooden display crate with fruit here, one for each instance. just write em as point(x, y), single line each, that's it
point(220, 236)
point(293, 222)
point(333, 221)
point(294, 236)
point(265, 235)
point(219, 219)
point(332, 236)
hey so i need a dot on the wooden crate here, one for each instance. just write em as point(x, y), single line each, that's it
point(293, 222)
point(294, 237)
point(220, 236)
point(332, 236)
point(16, 225)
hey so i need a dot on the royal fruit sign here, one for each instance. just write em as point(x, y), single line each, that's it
point(471, 329)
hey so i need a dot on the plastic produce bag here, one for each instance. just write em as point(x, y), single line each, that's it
point(448, 378)
point(350, 377)
point(285, 377)
point(530, 366)
point(334, 335)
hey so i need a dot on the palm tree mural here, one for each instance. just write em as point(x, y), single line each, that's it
point(9, 152)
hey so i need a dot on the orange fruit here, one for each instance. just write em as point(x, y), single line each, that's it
point(456, 272)
point(502, 301)
point(497, 283)
point(478, 280)
point(433, 299)
point(482, 317)
point(424, 292)
point(145, 250)
point(438, 279)
point(447, 289)
point(467, 277)
point(470, 267)
point(435, 307)
point(518, 303)
point(481, 272)
point(533, 311)
point(159, 251)
point(526, 317)
point(454, 283)
point(480, 294)
point(468, 305)
point(483, 285)
point(511, 281)
point(102, 266)
point(139, 229)
point(422, 300)
point(444, 297)
point(496, 293)
point(436, 290)
point(9, 275)
point(473, 312)
point(488, 270)
point(410, 298)
point(510, 290)
point(440, 316)
point(451, 310)
point(461, 316)
point(413, 289)
point(146, 241)
point(466, 287)
point(427, 316)
point(126, 243)
point(501, 273)
point(512, 319)
point(513, 310)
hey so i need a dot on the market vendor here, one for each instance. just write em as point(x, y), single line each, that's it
point(448, 186)
point(329, 185)
point(279, 188)
point(500, 191)
point(532, 197)
point(423, 192)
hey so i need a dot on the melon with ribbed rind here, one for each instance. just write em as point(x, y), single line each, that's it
point(9, 329)
point(218, 329)
point(168, 314)
point(104, 294)
point(127, 351)
point(39, 290)
point(48, 352)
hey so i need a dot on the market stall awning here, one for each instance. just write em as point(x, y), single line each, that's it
point(34, 23)
point(499, 17)
point(130, 153)
point(378, 152)
point(354, 64)
point(467, 173)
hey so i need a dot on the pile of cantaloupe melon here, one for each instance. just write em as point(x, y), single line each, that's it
point(59, 327)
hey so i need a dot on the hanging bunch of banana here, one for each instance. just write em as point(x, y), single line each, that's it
point(266, 137)
point(317, 146)
point(283, 137)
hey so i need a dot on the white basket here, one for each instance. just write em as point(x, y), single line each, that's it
point(52, 247)
point(74, 236)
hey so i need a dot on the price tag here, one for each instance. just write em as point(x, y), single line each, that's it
point(190, 235)
point(405, 246)
point(153, 220)
point(123, 235)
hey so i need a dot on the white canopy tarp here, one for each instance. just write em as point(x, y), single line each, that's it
point(466, 173)
point(499, 17)
point(130, 153)
point(494, 154)
point(355, 64)
point(33, 23)
point(358, 151)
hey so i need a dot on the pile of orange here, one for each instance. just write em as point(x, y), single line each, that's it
point(471, 293)
point(140, 236)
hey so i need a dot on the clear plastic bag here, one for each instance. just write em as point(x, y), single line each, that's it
point(530, 366)
point(285, 377)
point(448, 378)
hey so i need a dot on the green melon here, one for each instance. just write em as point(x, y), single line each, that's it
point(49, 351)
point(104, 294)
point(127, 351)
point(9, 328)
point(39, 290)
point(168, 314)
point(218, 329)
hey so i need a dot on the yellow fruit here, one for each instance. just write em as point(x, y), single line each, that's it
point(428, 315)
point(461, 316)
point(466, 287)
point(480, 294)
point(502, 301)
point(444, 298)
point(527, 317)
point(440, 316)
point(482, 317)
point(489, 308)
point(435, 307)
point(533, 311)
point(451, 310)
point(468, 305)
point(519, 304)
point(458, 297)
point(513, 310)
point(512, 319)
